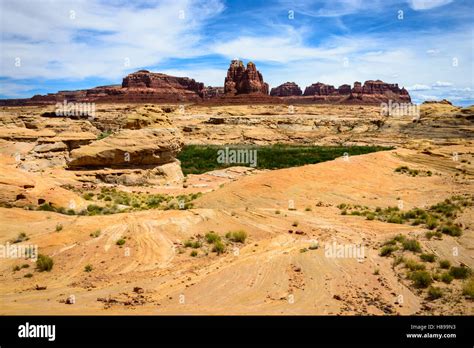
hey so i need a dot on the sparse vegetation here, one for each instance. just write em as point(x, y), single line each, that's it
point(413, 172)
point(194, 253)
point(59, 227)
point(438, 219)
point(120, 242)
point(44, 263)
point(88, 268)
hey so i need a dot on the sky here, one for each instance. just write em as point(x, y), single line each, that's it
point(427, 46)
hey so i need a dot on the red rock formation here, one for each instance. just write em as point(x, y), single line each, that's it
point(241, 80)
point(344, 89)
point(146, 79)
point(319, 89)
point(285, 90)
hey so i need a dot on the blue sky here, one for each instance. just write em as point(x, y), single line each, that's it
point(425, 45)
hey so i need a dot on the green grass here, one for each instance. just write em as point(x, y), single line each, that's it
point(198, 159)
point(44, 263)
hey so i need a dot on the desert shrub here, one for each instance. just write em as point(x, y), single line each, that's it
point(238, 236)
point(451, 230)
point(434, 293)
point(446, 278)
point(398, 260)
point(277, 212)
point(445, 264)
point(431, 223)
point(88, 196)
point(25, 265)
point(93, 209)
point(295, 224)
point(428, 257)
point(95, 234)
point(459, 272)
point(46, 207)
point(194, 253)
point(219, 247)
point(468, 288)
point(411, 245)
point(44, 263)
point(307, 209)
point(399, 238)
point(313, 246)
point(395, 219)
point(370, 216)
point(28, 275)
point(212, 237)
point(387, 250)
point(59, 227)
point(196, 245)
point(121, 241)
point(412, 265)
point(421, 279)
point(431, 234)
point(16, 268)
point(88, 268)
point(20, 238)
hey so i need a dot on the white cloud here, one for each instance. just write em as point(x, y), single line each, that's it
point(98, 39)
point(418, 87)
point(420, 5)
point(441, 84)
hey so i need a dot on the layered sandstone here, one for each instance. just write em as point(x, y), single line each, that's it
point(128, 148)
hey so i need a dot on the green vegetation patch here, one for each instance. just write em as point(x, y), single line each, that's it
point(198, 159)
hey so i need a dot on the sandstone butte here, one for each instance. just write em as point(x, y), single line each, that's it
point(242, 85)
